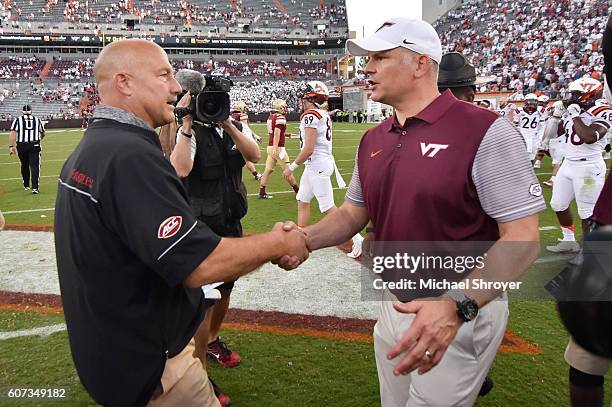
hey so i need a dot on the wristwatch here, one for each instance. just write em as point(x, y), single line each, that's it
point(467, 308)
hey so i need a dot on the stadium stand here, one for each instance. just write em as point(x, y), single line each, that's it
point(59, 93)
point(528, 45)
point(204, 15)
point(54, 83)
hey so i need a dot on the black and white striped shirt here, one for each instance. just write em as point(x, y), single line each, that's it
point(28, 128)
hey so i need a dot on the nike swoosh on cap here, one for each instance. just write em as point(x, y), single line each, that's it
point(408, 42)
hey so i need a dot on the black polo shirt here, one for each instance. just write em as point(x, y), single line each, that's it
point(125, 240)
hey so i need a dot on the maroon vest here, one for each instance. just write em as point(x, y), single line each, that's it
point(417, 180)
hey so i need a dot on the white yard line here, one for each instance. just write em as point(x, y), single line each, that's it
point(43, 161)
point(41, 331)
point(19, 178)
point(28, 211)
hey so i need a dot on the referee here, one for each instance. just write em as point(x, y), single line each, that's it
point(27, 131)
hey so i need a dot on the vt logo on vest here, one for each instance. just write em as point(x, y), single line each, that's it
point(430, 150)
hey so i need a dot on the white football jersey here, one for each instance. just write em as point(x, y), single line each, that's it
point(528, 123)
point(507, 109)
point(318, 119)
point(575, 148)
point(545, 112)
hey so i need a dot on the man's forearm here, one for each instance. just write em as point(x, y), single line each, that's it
point(181, 156)
point(303, 156)
point(235, 257)
point(247, 147)
point(506, 261)
point(336, 227)
point(586, 133)
point(12, 138)
point(310, 138)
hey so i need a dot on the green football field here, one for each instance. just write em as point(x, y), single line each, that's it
point(277, 369)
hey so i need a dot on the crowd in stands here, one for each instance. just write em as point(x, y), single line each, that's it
point(82, 69)
point(20, 67)
point(71, 69)
point(67, 93)
point(258, 95)
point(212, 14)
point(252, 68)
point(528, 45)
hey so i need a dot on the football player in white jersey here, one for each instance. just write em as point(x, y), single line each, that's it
point(507, 109)
point(528, 119)
point(554, 143)
point(583, 172)
point(240, 114)
point(316, 155)
point(543, 108)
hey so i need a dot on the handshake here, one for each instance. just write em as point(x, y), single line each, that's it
point(294, 245)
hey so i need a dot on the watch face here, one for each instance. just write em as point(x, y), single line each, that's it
point(470, 310)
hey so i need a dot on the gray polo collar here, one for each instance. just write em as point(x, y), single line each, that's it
point(119, 115)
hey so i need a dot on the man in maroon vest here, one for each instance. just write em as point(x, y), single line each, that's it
point(439, 170)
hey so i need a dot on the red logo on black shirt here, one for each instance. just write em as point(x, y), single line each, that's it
point(81, 178)
point(169, 227)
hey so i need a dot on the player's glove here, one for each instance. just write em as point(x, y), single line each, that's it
point(574, 111)
point(544, 147)
point(558, 109)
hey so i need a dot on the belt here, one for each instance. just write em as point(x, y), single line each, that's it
point(577, 159)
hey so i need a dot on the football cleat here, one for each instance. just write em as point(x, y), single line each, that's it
point(35, 191)
point(265, 196)
point(26, 188)
point(537, 164)
point(487, 386)
point(220, 353)
point(223, 398)
point(257, 177)
point(565, 246)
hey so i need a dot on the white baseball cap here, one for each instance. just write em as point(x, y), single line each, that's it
point(415, 35)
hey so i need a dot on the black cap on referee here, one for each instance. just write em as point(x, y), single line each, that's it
point(27, 109)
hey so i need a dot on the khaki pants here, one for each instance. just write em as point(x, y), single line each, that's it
point(185, 382)
point(456, 380)
point(271, 161)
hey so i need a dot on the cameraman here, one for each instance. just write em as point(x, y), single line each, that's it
point(209, 156)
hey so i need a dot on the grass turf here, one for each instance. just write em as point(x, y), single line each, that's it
point(281, 370)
